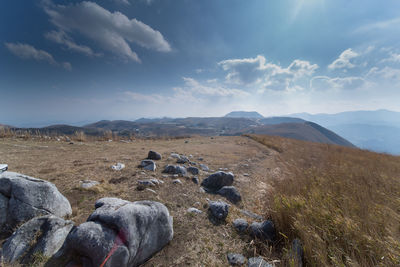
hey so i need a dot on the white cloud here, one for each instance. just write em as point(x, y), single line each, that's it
point(195, 87)
point(344, 60)
point(385, 74)
point(337, 83)
point(393, 57)
point(61, 37)
point(113, 31)
point(380, 25)
point(257, 72)
point(26, 51)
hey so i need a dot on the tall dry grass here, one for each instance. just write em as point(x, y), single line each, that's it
point(343, 203)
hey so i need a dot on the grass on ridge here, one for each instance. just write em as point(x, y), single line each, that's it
point(343, 203)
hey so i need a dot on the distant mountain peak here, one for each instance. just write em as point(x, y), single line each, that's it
point(244, 114)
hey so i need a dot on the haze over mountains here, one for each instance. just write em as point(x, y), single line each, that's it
point(374, 130)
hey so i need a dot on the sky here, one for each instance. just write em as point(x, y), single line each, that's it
point(82, 61)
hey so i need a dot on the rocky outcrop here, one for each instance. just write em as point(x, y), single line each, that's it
point(23, 198)
point(217, 180)
point(41, 235)
point(120, 233)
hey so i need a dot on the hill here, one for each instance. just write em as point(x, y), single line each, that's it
point(212, 126)
point(244, 114)
point(306, 131)
point(374, 130)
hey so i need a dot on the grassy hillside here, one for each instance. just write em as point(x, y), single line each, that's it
point(343, 203)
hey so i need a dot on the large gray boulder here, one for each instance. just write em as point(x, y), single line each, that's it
point(23, 198)
point(217, 180)
point(44, 235)
point(120, 233)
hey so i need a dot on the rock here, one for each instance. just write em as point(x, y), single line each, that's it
point(264, 230)
point(231, 193)
point(193, 170)
point(3, 168)
point(120, 233)
point(156, 181)
point(240, 225)
point(176, 156)
point(176, 181)
point(235, 259)
point(183, 159)
point(258, 262)
point(154, 155)
point(194, 210)
point(175, 169)
point(148, 165)
point(142, 184)
point(201, 190)
point(218, 210)
point(117, 167)
point(24, 197)
point(86, 184)
point(44, 235)
point(204, 167)
point(195, 180)
point(297, 253)
point(200, 158)
point(217, 180)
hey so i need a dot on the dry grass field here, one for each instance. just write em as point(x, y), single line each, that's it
point(196, 241)
point(343, 203)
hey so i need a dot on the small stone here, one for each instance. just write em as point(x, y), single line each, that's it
point(240, 225)
point(218, 210)
point(258, 262)
point(193, 170)
point(204, 167)
point(148, 165)
point(194, 210)
point(154, 155)
point(117, 167)
point(175, 169)
point(231, 193)
point(86, 184)
point(176, 181)
point(195, 180)
point(235, 259)
point(142, 184)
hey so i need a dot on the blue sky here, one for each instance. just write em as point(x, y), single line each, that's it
point(75, 61)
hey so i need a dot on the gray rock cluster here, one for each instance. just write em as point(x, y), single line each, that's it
point(154, 155)
point(218, 211)
point(230, 193)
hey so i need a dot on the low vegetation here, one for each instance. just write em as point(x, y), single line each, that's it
point(343, 203)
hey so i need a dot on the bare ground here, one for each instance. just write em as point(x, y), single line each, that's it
point(196, 241)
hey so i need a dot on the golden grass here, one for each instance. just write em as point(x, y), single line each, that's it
point(343, 203)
